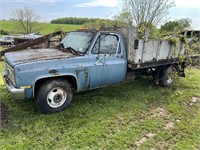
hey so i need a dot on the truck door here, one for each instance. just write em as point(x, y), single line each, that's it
point(108, 63)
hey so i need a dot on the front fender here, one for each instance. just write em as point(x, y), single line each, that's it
point(42, 79)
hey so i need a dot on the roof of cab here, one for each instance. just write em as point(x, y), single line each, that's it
point(96, 31)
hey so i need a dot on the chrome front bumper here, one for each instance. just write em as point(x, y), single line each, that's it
point(15, 93)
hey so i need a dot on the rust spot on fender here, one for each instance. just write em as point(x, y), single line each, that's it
point(85, 71)
point(54, 72)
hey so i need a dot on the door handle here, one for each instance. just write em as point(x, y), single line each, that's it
point(100, 61)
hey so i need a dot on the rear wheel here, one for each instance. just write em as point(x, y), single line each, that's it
point(156, 74)
point(53, 96)
point(168, 76)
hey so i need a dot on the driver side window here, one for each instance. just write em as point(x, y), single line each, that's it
point(106, 44)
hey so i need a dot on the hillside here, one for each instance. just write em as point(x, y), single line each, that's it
point(43, 28)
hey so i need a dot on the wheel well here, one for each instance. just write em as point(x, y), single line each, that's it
point(70, 79)
point(159, 70)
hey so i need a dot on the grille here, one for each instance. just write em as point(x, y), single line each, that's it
point(11, 74)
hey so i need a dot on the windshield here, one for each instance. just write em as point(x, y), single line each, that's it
point(78, 41)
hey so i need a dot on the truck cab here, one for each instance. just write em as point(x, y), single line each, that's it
point(84, 60)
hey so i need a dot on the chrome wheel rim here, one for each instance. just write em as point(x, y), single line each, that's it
point(171, 76)
point(56, 97)
point(169, 80)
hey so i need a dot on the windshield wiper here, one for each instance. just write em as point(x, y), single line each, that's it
point(61, 46)
point(71, 50)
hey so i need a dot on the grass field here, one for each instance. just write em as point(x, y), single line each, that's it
point(131, 115)
point(43, 28)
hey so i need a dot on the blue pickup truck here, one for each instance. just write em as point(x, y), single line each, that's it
point(86, 60)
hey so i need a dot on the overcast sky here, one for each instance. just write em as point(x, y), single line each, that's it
point(52, 9)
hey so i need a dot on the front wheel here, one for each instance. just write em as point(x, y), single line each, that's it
point(53, 96)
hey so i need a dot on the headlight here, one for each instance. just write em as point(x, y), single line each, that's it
point(5, 73)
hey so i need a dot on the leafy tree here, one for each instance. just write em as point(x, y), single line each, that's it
point(170, 26)
point(124, 18)
point(26, 19)
point(184, 23)
point(145, 11)
point(154, 33)
point(177, 25)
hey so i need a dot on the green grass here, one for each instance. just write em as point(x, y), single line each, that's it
point(43, 28)
point(1, 48)
point(113, 117)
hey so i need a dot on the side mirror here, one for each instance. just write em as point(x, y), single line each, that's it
point(136, 44)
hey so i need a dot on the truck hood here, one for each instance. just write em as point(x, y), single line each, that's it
point(32, 55)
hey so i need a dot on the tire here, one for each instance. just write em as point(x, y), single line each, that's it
point(168, 76)
point(156, 74)
point(53, 96)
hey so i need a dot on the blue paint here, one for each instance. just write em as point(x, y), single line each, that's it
point(91, 70)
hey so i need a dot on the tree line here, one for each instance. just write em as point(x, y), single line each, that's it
point(75, 20)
